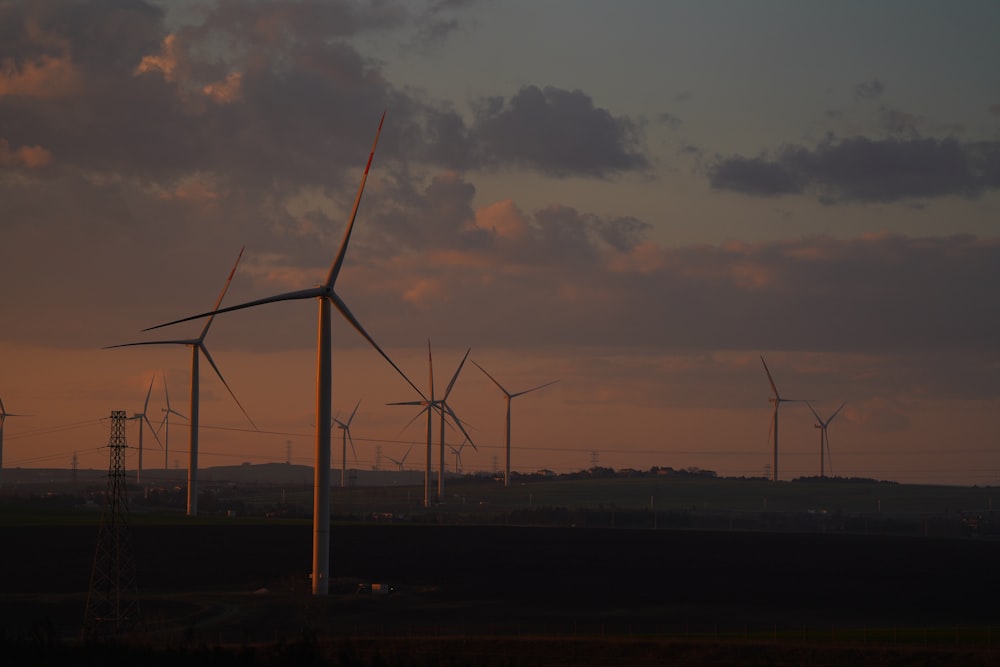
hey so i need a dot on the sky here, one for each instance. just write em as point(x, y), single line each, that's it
point(637, 199)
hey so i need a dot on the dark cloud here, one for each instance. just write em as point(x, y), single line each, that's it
point(266, 98)
point(861, 169)
point(873, 295)
point(558, 132)
point(755, 176)
point(868, 90)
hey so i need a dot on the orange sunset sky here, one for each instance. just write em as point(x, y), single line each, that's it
point(636, 199)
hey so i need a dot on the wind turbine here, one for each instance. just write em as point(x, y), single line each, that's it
point(143, 419)
point(198, 348)
point(3, 417)
point(508, 397)
point(457, 451)
point(824, 437)
point(777, 400)
point(326, 296)
point(165, 424)
point(399, 462)
point(441, 405)
point(346, 428)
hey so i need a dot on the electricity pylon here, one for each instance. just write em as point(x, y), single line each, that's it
point(113, 600)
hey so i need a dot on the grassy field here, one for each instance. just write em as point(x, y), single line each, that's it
point(589, 571)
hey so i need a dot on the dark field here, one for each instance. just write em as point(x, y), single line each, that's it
point(513, 595)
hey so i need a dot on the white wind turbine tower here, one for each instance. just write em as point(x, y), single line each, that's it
point(346, 428)
point(399, 462)
point(165, 424)
point(3, 417)
point(441, 405)
point(198, 348)
point(325, 296)
point(508, 397)
point(144, 421)
point(824, 437)
point(777, 400)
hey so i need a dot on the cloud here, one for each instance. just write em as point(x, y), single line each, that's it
point(866, 170)
point(557, 132)
point(32, 157)
point(758, 176)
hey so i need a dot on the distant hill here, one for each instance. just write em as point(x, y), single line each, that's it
point(247, 473)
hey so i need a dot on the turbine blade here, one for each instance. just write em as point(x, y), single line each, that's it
point(528, 391)
point(837, 412)
point(409, 403)
point(351, 440)
point(770, 379)
point(222, 294)
point(311, 293)
point(179, 341)
point(405, 455)
point(349, 316)
point(430, 366)
point(415, 418)
point(339, 259)
point(505, 392)
point(219, 373)
point(829, 457)
point(454, 377)
point(150, 424)
point(149, 391)
point(458, 423)
point(354, 412)
point(814, 414)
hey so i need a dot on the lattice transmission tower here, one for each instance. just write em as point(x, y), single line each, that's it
point(113, 600)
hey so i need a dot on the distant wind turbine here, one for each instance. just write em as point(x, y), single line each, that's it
point(824, 437)
point(429, 406)
point(165, 424)
point(143, 422)
point(346, 428)
point(777, 400)
point(325, 295)
point(3, 417)
point(399, 462)
point(198, 348)
point(457, 451)
point(508, 396)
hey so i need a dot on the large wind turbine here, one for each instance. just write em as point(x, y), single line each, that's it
point(198, 348)
point(143, 422)
point(508, 396)
point(3, 417)
point(346, 428)
point(824, 437)
point(777, 400)
point(441, 405)
point(165, 424)
point(326, 296)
